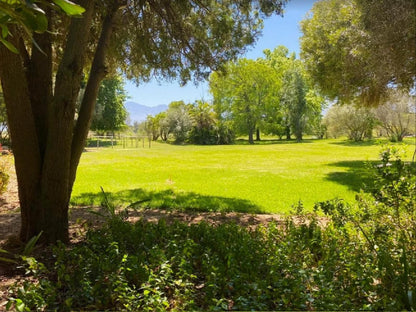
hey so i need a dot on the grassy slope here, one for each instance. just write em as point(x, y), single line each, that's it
point(259, 178)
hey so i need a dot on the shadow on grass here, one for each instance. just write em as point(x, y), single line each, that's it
point(359, 174)
point(168, 200)
point(351, 143)
point(272, 141)
point(100, 143)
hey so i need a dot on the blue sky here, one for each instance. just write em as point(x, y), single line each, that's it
point(277, 31)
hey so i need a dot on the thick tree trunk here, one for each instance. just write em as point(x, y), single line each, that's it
point(258, 134)
point(55, 178)
point(23, 133)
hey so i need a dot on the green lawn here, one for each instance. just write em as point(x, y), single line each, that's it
point(269, 177)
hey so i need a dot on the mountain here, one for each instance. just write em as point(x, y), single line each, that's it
point(139, 112)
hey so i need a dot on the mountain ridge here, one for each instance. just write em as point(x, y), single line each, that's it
point(138, 112)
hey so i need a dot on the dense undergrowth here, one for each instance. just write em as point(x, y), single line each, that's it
point(364, 258)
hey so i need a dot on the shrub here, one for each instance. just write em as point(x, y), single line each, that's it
point(4, 179)
point(385, 220)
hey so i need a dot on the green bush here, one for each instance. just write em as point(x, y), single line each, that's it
point(4, 179)
point(385, 220)
point(364, 258)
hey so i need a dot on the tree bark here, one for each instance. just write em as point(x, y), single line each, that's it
point(251, 136)
point(258, 134)
point(23, 134)
point(40, 81)
point(56, 165)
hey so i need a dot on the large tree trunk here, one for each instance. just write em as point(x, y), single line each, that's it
point(47, 144)
point(23, 133)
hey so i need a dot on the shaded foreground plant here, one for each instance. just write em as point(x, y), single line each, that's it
point(386, 220)
point(364, 258)
point(4, 178)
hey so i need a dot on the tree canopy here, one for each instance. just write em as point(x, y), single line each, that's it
point(359, 49)
point(244, 93)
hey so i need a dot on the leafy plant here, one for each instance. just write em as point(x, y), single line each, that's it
point(4, 179)
point(386, 220)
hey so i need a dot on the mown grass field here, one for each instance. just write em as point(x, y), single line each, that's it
point(269, 177)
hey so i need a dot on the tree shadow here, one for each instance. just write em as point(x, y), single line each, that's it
point(359, 174)
point(100, 143)
point(360, 143)
point(167, 200)
point(272, 141)
point(9, 225)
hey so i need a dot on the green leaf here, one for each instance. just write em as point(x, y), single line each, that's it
point(20, 305)
point(35, 22)
point(69, 7)
point(4, 30)
point(31, 244)
point(7, 260)
point(9, 46)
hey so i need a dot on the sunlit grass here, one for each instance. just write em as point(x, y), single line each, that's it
point(270, 177)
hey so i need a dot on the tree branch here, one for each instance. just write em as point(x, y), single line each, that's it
point(40, 82)
point(97, 73)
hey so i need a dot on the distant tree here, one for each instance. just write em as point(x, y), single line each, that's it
point(163, 125)
point(110, 114)
point(243, 93)
point(135, 127)
point(178, 121)
point(355, 122)
point(315, 104)
point(300, 104)
point(204, 130)
point(396, 116)
point(293, 99)
point(276, 117)
point(152, 127)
